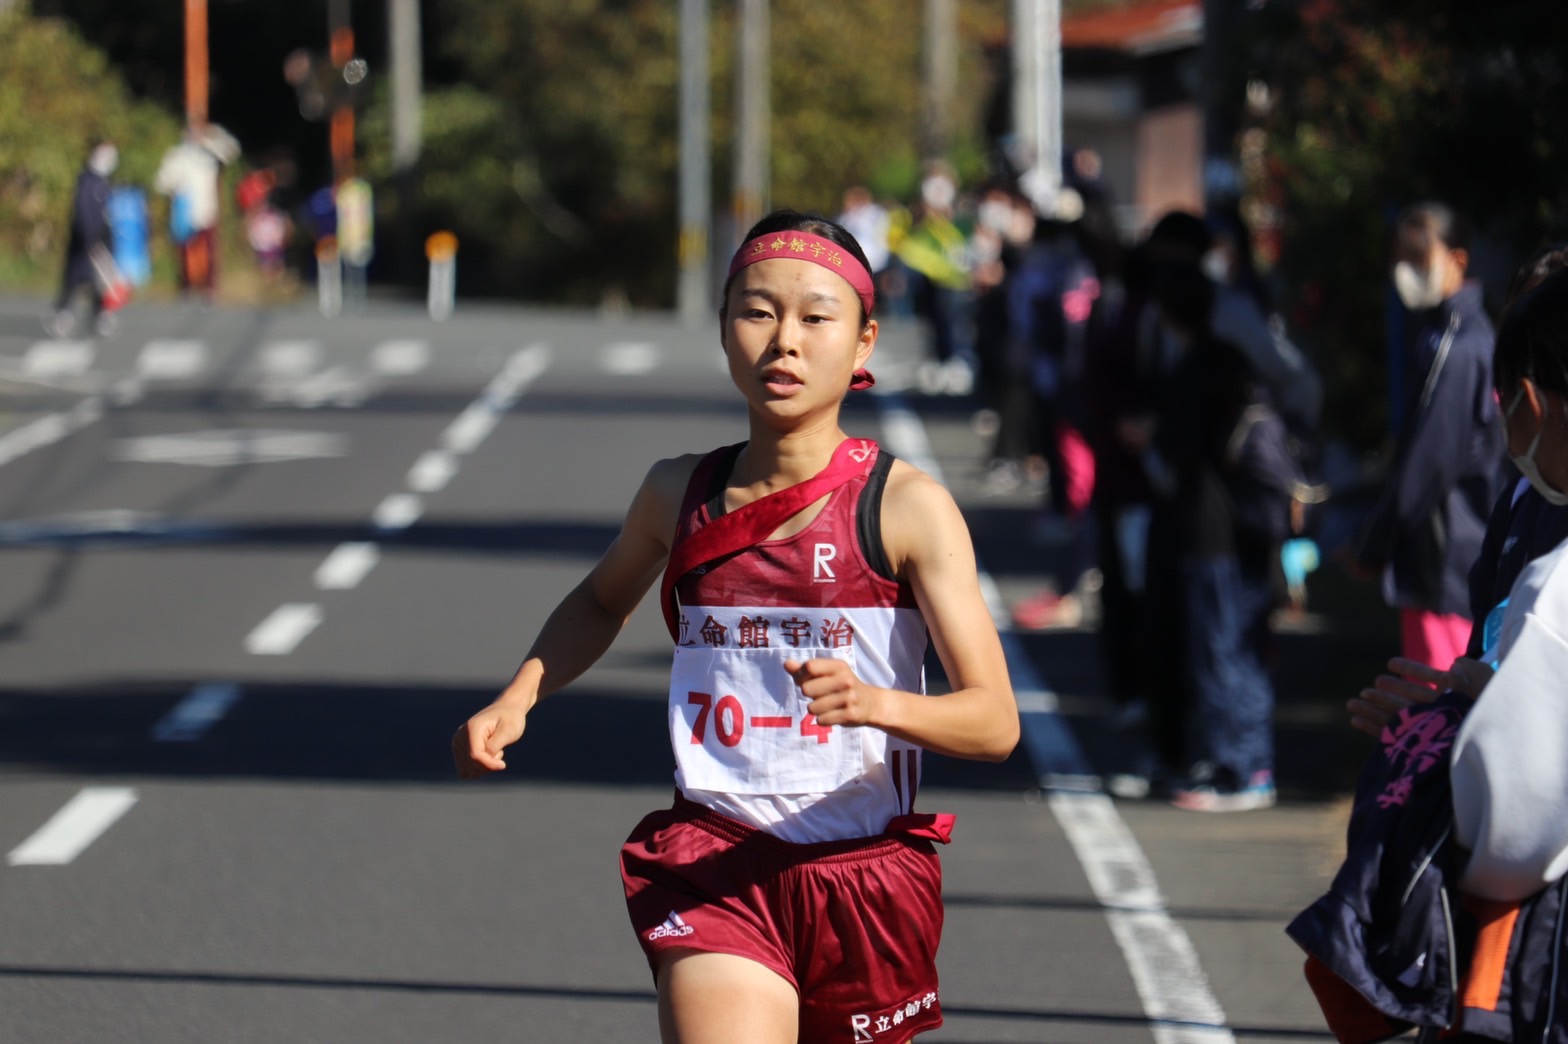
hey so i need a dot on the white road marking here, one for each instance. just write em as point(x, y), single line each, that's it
point(289, 358)
point(471, 427)
point(337, 385)
point(432, 471)
point(398, 511)
point(49, 429)
point(78, 824)
point(400, 358)
point(280, 633)
point(202, 708)
point(475, 423)
point(46, 359)
point(1164, 965)
point(629, 358)
point(226, 447)
point(169, 360)
point(347, 565)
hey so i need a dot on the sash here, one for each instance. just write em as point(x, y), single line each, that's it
point(751, 523)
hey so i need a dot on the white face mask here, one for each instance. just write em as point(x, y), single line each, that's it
point(1216, 265)
point(1526, 464)
point(996, 215)
point(103, 160)
point(938, 191)
point(1418, 291)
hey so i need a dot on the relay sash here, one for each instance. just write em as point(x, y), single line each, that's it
point(753, 522)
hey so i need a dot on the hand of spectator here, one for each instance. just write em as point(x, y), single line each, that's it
point(1410, 683)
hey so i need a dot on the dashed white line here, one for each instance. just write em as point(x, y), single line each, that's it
point(280, 633)
point(432, 471)
point(471, 427)
point(78, 824)
point(347, 565)
point(398, 511)
point(400, 358)
point(49, 428)
point(202, 708)
point(170, 360)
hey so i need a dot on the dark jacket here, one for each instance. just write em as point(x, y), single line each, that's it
point(1523, 527)
point(1447, 471)
point(89, 213)
point(1395, 944)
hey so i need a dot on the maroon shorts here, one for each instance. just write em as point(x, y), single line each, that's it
point(854, 925)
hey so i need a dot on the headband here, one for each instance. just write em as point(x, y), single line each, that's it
point(806, 246)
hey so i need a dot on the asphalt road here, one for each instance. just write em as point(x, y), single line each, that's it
point(255, 566)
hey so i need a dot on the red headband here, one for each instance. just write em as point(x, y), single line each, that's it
point(806, 246)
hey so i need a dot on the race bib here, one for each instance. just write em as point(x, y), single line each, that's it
point(738, 724)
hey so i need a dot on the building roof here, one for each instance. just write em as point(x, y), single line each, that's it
point(1138, 27)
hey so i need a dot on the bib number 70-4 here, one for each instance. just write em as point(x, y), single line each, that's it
point(730, 721)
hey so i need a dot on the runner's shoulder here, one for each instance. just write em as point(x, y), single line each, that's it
point(918, 513)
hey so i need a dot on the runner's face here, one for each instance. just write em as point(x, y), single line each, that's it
point(793, 336)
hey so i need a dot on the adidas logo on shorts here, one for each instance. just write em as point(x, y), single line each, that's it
point(673, 926)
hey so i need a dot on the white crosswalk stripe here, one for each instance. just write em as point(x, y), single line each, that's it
point(46, 359)
point(629, 358)
point(171, 360)
point(400, 358)
point(289, 358)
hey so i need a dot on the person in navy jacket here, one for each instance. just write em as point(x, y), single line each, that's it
point(1426, 529)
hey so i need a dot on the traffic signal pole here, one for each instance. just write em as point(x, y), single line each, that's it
point(196, 63)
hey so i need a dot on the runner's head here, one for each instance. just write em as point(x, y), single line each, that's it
point(796, 319)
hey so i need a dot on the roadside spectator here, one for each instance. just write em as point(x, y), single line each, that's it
point(1523, 527)
point(934, 256)
point(188, 175)
point(89, 233)
point(1233, 480)
point(1426, 530)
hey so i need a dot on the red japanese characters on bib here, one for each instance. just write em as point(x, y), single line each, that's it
point(738, 721)
point(744, 743)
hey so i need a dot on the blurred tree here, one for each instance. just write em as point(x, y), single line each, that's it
point(1364, 106)
point(58, 94)
point(556, 163)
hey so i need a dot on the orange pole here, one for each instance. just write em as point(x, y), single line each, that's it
point(343, 142)
point(196, 62)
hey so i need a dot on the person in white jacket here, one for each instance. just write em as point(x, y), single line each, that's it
point(1510, 762)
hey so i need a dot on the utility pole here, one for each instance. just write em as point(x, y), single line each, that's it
point(941, 77)
point(753, 113)
point(1037, 89)
point(196, 63)
point(696, 191)
point(407, 83)
point(407, 63)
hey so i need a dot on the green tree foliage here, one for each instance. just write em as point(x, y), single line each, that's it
point(1377, 104)
point(57, 95)
point(556, 160)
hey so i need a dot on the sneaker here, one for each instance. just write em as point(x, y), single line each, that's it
point(1211, 797)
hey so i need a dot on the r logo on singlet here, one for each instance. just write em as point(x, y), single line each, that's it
point(821, 571)
point(861, 1024)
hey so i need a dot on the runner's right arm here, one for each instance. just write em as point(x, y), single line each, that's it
point(582, 627)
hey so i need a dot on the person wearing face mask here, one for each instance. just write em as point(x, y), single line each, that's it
point(1427, 527)
point(935, 255)
point(1470, 790)
point(1523, 527)
point(89, 233)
